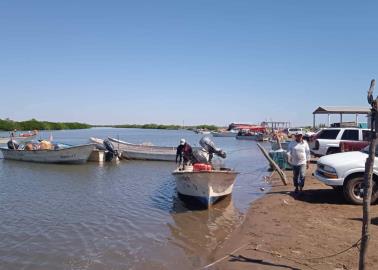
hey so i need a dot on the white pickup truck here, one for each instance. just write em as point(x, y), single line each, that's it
point(345, 172)
point(328, 140)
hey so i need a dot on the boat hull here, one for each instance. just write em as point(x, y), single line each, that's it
point(205, 186)
point(145, 152)
point(224, 134)
point(141, 155)
point(249, 138)
point(72, 155)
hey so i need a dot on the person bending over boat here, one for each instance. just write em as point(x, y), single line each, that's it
point(184, 153)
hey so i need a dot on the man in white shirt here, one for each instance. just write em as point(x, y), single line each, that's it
point(299, 158)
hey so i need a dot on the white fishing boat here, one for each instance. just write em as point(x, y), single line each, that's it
point(70, 154)
point(227, 133)
point(205, 181)
point(206, 186)
point(144, 152)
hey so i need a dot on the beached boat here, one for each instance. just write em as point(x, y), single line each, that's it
point(145, 152)
point(206, 186)
point(69, 154)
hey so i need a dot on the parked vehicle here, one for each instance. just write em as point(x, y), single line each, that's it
point(328, 140)
point(348, 146)
point(345, 172)
point(292, 131)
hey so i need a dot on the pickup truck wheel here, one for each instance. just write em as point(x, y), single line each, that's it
point(354, 190)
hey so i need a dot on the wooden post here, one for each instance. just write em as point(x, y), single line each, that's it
point(366, 220)
point(274, 165)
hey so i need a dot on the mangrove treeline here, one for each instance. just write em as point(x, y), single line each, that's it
point(7, 125)
point(148, 126)
point(175, 127)
point(32, 124)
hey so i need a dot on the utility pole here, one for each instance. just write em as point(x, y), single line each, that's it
point(368, 178)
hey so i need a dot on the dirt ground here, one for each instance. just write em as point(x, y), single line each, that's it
point(281, 231)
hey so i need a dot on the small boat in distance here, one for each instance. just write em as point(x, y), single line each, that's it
point(22, 137)
point(225, 133)
point(69, 154)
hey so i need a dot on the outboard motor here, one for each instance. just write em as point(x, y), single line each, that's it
point(13, 145)
point(210, 147)
point(110, 152)
point(205, 155)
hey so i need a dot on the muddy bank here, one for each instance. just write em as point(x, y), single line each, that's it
point(281, 231)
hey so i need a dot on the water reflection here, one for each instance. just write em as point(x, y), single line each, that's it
point(199, 231)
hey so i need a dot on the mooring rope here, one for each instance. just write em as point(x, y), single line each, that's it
point(277, 254)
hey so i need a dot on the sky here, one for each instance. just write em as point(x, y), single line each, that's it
point(184, 62)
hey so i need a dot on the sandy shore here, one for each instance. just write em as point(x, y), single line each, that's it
point(281, 231)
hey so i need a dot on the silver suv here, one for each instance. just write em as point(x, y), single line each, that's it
point(328, 140)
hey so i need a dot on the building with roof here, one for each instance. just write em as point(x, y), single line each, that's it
point(340, 110)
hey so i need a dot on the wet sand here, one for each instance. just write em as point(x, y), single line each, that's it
point(281, 231)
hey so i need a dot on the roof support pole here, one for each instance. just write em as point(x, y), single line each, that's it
point(313, 120)
point(357, 119)
point(341, 119)
point(329, 120)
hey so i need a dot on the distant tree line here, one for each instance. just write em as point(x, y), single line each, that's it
point(148, 126)
point(207, 127)
point(174, 127)
point(32, 124)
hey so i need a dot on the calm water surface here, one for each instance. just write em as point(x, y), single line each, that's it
point(117, 216)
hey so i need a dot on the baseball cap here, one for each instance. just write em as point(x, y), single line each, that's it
point(182, 141)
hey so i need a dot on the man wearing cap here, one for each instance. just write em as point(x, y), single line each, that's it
point(184, 152)
point(299, 157)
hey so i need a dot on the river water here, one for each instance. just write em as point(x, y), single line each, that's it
point(124, 215)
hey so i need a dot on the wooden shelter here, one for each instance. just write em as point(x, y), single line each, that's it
point(340, 110)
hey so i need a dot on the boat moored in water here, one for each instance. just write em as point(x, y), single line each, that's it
point(144, 151)
point(205, 186)
point(228, 133)
point(204, 181)
point(67, 154)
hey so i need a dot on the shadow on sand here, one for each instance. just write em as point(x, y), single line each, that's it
point(317, 196)
point(241, 258)
point(374, 220)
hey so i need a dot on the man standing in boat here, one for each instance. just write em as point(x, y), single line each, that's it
point(299, 157)
point(184, 153)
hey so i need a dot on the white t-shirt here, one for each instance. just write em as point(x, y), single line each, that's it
point(298, 153)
